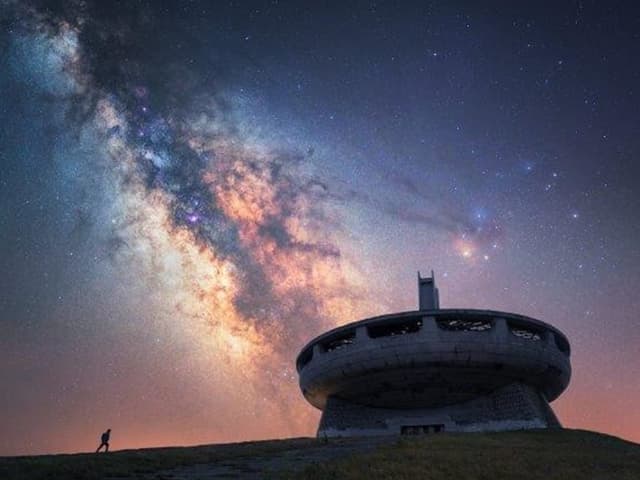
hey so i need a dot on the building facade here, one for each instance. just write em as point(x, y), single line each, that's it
point(434, 370)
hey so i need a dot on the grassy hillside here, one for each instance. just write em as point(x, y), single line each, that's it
point(560, 454)
point(135, 463)
point(563, 454)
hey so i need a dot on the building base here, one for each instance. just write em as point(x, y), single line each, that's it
point(514, 407)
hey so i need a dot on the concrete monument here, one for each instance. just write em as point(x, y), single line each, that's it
point(433, 370)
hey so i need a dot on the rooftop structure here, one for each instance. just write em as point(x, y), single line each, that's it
point(433, 370)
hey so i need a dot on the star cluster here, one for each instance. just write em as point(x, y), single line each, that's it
point(188, 194)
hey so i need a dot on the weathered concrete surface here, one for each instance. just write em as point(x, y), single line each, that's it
point(514, 407)
point(438, 370)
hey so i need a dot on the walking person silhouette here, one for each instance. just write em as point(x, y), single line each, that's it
point(104, 441)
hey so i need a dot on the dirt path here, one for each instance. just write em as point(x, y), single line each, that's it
point(259, 466)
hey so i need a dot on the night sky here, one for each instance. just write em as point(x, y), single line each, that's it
point(189, 191)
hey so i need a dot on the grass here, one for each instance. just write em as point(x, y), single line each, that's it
point(543, 454)
point(134, 463)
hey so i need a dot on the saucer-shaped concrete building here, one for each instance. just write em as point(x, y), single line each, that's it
point(434, 370)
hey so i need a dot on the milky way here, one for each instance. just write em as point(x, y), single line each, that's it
point(190, 193)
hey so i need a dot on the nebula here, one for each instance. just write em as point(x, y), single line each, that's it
point(231, 231)
point(192, 191)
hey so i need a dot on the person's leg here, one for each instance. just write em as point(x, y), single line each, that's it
point(99, 448)
point(106, 445)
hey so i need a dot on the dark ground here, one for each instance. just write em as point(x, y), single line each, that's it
point(548, 454)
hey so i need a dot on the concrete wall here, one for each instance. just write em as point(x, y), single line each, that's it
point(516, 406)
point(381, 372)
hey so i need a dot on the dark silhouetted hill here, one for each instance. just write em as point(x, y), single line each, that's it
point(543, 454)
